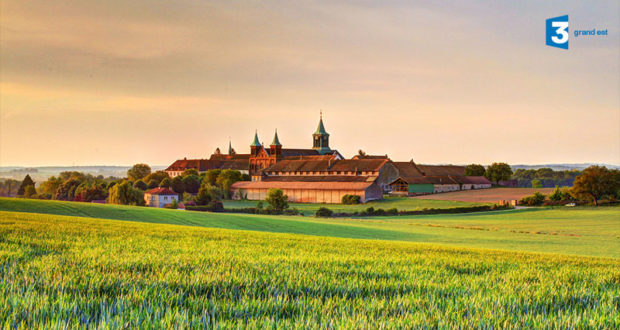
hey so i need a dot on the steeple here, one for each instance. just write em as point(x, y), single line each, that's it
point(320, 138)
point(275, 149)
point(276, 141)
point(320, 130)
point(230, 149)
point(255, 143)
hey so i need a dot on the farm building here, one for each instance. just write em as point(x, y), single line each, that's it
point(417, 179)
point(160, 197)
point(323, 180)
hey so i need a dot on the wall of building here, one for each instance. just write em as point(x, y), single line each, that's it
point(439, 188)
point(387, 175)
point(421, 188)
point(159, 200)
point(331, 196)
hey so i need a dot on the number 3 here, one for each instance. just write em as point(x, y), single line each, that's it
point(562, 31)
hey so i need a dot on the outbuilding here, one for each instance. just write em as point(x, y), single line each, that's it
point(160, 197)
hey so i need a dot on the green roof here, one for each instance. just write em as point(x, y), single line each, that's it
point(255, 143)
point(321, 129)
point(276, 141)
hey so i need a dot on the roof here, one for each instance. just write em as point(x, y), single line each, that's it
point(343, 165)
point(320, 130)
point(276, 141)
point(320, 178)
point(323, 185)
point(472, 179)
point(255, 143)
point(370, 157)
point(299, 152)
point(245, 157)
point(202, 165)
point(442, 169)
point(160, 191)
point(427, 180)
point(408, 169)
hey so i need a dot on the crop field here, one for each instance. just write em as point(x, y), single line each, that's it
point(492, 195)
point(59, 271)
point(577, 231)
point(401, 203)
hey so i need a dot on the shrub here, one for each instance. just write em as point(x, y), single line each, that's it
point(277, 200)
point(174, 205)
point(323, 212)
point(292, 211)
point(392, 211)
point(557, 195)
point(212, 206)
point(351, 199)
point(533, 200)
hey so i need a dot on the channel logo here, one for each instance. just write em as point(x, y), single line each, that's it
point(557, 32)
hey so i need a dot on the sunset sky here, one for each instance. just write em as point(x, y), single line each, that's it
point(117, 83)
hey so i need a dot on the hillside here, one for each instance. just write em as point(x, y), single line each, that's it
point(578, 231)
point(79, 272)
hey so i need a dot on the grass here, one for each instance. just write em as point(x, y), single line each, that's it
point(63, 272)
point(577, 231)
point(401, 203)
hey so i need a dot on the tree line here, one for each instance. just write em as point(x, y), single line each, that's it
point(194, 187)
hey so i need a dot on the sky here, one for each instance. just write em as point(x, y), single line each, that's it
point(450, 82)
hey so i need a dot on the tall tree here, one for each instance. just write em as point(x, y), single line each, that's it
point(138, 172)
point(191, 183)
point(177, 185)
point(498, 171)
point(124, 193)
point(25, 183)
point(595, 182)
point(474, 170)
point(277, 200)
point(226, 179)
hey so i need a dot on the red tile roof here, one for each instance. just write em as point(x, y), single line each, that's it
point(320, 178)
point(160, 191)
point(343, 165)
point(208, 164)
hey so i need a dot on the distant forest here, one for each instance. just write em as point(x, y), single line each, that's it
point(546, 176)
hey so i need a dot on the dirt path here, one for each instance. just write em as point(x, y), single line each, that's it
point(491, 195)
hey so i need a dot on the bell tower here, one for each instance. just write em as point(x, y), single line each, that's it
point(320, 138)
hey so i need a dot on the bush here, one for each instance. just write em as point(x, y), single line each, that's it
point(323, 212)
point(533, 200)
point(212, 206)
point(292, 211)
point(392, 211)
point(174, 205)
point(351, 199)
point(277, 200)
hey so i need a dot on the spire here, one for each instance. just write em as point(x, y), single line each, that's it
point(320, 130)
point(230, 149)
point(276, 141)
point(255, 143)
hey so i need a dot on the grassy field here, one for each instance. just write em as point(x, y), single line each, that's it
point(58, 271)
point(577, 231)
point(493, 195)
point(401, 203)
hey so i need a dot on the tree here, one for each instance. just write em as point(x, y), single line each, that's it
point(138, 172)
point(165, 183)
point(190, 171)
point(25, 183)
point(211, 176)
point(557, 195)
point(158, 176)
point(140, 185)
point(177, 185)
point(277, 200)
point(191, 183)
point(474, 170)
point(29, 191)
point(226, 179)
point(66, 191)
point(498, 171)
point(152, 184)
point(536, 183)
point(595, 182)
point(123, 193)
point(207, 194)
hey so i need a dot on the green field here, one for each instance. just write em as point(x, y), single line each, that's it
point(400, 203)
point(577, 231)
point(59, 271)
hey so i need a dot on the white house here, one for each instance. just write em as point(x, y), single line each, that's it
point(160, 197)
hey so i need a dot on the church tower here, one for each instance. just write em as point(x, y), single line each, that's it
point(320, 138)
point(275, 149)
point(255, 146)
